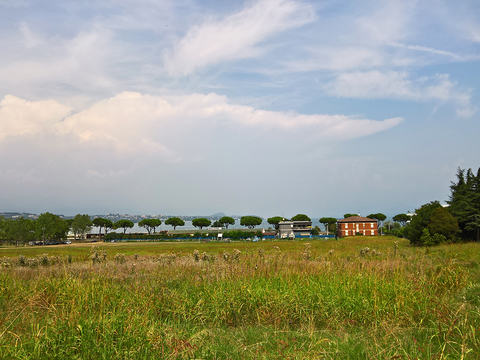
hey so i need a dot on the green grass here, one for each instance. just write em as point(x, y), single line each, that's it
point(326, 300)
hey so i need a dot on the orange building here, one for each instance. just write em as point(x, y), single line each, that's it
point(354, 225)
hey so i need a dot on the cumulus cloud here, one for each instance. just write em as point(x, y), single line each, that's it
point(20, 117)
point(398, 85)
point(135, 123)
point(236, 36)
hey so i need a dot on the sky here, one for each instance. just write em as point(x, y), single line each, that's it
point(266, 107)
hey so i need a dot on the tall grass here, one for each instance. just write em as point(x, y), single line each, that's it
point(359, 298)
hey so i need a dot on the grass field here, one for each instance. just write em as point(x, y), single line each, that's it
point(356, 298)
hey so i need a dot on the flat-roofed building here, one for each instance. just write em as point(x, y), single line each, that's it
point(294, 229)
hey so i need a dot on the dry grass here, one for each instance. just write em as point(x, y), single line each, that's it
point(321, 299)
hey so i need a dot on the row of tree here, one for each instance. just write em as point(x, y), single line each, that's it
point(49, 227)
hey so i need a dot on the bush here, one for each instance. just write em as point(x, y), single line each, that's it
point(428, 240)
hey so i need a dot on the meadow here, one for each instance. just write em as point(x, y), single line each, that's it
point(355, 298)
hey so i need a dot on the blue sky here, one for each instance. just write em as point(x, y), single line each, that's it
point(245, 107)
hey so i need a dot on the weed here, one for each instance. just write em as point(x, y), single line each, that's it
point(196, 255)
point(343, 305)
point(307, 251)
point(120, 258)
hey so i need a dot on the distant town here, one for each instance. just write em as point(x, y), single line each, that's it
point(114, 217)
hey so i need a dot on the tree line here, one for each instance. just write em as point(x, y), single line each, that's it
point(434, 224)
point(52, 229)
point(430, 225)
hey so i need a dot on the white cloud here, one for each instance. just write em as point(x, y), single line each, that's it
point(398, 85)
point(236, 36)
point(132, 123)
point(152, 149)
point(386, 24)
point(19, 117)
point(74, 65)
point(428, 50)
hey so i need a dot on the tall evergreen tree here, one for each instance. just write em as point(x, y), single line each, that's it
point(464, 203)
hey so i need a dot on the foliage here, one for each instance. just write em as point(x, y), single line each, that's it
point(217, 224)
point(274, 221)
point(401, 218)
point(420, 221)
point(50, 227)
point(393, 228)
point(174, 221)
point(442, 222)
point(18, 230)
point(301, 217)
point(100, 223)
point(150, 224)
point(108, 225)
point(123, 224)
point(328, 222)
point(379, 217)
point(80, 224)
point(201, 222)
point(464, 203)
point(250, 221)
point(347, 215)
point(241, 234)
point(227, 220)
point(428, 240)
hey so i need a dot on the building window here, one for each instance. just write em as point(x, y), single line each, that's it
point(372, 232)
point(371, 225)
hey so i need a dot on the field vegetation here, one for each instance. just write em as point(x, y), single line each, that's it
point(355, 298)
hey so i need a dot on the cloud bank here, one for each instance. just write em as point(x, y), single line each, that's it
point(135, 123)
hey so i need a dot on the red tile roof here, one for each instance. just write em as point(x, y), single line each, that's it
point(356, 219)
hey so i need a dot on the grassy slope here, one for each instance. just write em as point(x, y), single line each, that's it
point(270, 303)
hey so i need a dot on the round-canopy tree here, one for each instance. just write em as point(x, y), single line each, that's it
point(401, 218)
point(301, 217)
point(174, 221)
point(80, 224)
point(250, 221)
point(201, 222)
point(100, 223)
point(327, 222)
point(150, 224)
point(107, 226)
point(274, 221)
point(124, 224)
point(347, 215)
point(227, 220)
point(379, 217)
